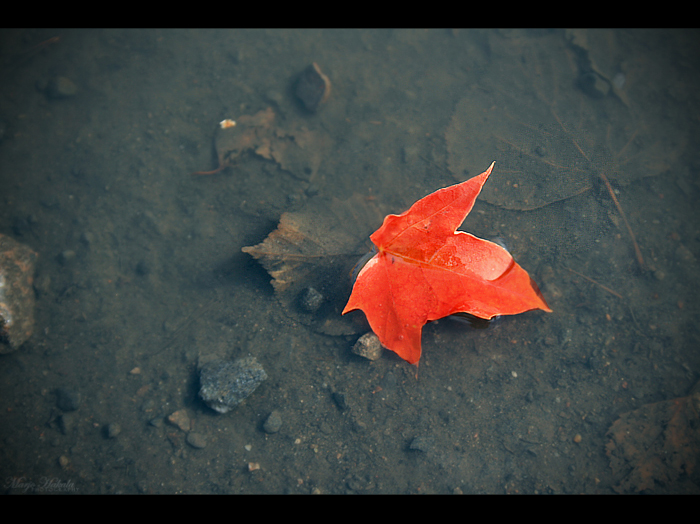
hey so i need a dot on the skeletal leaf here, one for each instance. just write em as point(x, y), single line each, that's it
point(316, 249)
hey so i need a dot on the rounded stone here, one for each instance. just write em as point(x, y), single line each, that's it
point(273, 423)
point(112, 430)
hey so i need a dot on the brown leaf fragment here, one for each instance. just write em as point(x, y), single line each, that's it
point(298, 151)
point(657, 445)
point(312, 254)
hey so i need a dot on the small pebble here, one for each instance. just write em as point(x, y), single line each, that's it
point(87, 238)
point(60, 87)
point(310, 300)
point(368, 346)
point(225, 384)
point(578, 438)
point(593, 85)
point(273, 423)
point(180, 419)
point(66, 256)
point(112, 430)
point(67, 399)
point(313, 87)
point(66, 423)
point(196, 440)
point(423, 444)
point(340, 400)
point(142, 268)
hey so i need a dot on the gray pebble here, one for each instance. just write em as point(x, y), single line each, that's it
point(368, 346)
point(310, 300)
point(196, 440)
point(312, 87)
point(66, 256)
point(225, 384)
point(112, 430)
point(60, 87)
point(66, 423)
point(142, 268)
point(593, 85)
point(340, 400)
point(87, 238)
point(423, 444)
point(273, 423)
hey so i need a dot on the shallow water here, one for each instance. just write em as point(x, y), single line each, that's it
point(158, 282)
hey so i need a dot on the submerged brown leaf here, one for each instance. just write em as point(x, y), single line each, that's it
point(550, 139)
point(311, 255)
point(656, 444)
point(297, 150)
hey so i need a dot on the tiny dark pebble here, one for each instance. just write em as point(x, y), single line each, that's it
point(66, 256)
point(310, 300)
point(313, 87)
point(87, 238)
point(142, 268)
point(112, 430)
point(312, 190)
point(593, 84)
point(67, 399)
point(60, 87)
point(66, 422)
point(273, 423)
point(340, 401)
point(423, 444)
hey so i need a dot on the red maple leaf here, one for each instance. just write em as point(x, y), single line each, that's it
point(425, 270)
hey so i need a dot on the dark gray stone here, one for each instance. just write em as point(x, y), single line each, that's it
point(311, 300)
point(67, 399)
point(66, 423)
point(60, 87)
point(225, 384)
point(423, 444)
point(273, 423)
point(340, 400)
point(112, 430)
